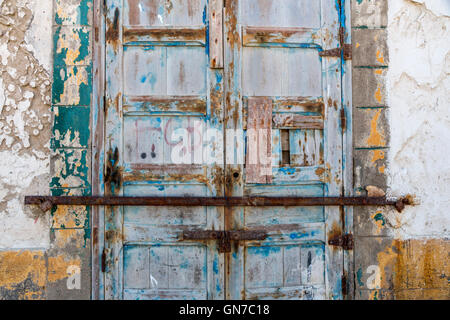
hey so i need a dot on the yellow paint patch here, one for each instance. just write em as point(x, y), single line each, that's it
point(377, 155)
point(378, 95)
point(357, 45)
point(416, 269)
point(382, 169)
point(58, 267)
point(378, 222)
point(16, 267)
point(380, 57)
point(71, 42)
point(376, 138)
point(65, 237)
point(378, 72)
point(69, 217)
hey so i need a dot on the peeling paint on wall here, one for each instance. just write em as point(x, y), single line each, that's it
point(25, 120)
point(22, 275)
point(419, 86)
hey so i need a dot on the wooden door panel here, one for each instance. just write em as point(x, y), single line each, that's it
point(164, 13)
point(181, 272)
point(272, 54)
point(168, 107)
point(284, 13)
point(277, 72)
point(162, 98)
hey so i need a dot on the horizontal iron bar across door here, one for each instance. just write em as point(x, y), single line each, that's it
point(46, 202)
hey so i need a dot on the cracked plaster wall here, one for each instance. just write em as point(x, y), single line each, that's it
point(25, 120)
point(418, 84)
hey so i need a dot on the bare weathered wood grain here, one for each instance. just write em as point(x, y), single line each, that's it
point(259, 144)
point(216, 34)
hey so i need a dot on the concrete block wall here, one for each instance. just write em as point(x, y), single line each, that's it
point(71, 146)
point(388, 263)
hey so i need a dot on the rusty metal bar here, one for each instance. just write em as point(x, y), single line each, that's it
point(47, 202)
point(225, 237)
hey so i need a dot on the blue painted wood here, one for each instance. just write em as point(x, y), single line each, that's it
point(157, 86)
point(273, 50)
point(164, 100)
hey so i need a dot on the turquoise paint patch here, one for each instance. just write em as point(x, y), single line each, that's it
point(70, 127)
point(216, 267)
point(82, 17)
point(296, 235)
point(359, 275)
point(78, 38)
point(66, 79)
point(287, 170)
point(71, 169)
point(380, 217)
point(264, 251)
point(58, 192)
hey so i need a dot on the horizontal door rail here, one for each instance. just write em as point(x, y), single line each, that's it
point(47, 202)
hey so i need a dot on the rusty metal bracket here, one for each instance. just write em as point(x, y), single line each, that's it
point(345, 241)
point(336, 52)
point(47, 202)
point(224, 237)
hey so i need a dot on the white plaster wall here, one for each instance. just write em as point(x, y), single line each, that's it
point(25, 62)
point(419, 100)
point(39, 35)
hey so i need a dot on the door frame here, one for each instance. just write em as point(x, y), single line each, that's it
point(99, 152)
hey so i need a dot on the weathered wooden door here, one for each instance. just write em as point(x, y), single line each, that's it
point(160, 90)
point(277, 82)
point(181, 116)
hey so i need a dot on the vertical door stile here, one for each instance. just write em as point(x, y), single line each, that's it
point(331, 69)
point(347, 159)
point(234, 148)
point(113, 148)
point(215, 143)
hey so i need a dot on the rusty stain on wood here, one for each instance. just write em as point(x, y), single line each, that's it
point(113, 32)
point(278, 35)
point(297, 121)
point(188, 34)
point(166, 103)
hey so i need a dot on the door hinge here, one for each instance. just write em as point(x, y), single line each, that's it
point(344, 48)
point(336, 52)
point(344, 241)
